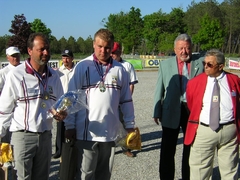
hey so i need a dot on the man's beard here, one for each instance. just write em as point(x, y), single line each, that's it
point(41, 62)
point(185, 59)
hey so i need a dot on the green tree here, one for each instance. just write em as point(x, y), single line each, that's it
point(166, 44)
point(81, 46)
point(210, 34)
point(72, 44)
point(230, 9)
point(54, 45)
point(63, 43)
point(116, 24)
point(3, 43)
point(176, 22)
point(196, 11)
point(89, 45)
point(153, 28)
point(38, 26)
point(127, 28)
point(21, 30)
point(134, 24)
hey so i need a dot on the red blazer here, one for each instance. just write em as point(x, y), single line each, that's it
point(194, 94)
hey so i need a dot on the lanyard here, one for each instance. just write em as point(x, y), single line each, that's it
point(99, 68)
point(43, 81)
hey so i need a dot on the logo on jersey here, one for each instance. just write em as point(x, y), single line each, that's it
point(50, 89)
point(114, 79)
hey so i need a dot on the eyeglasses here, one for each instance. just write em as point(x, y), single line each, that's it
point(209, 64)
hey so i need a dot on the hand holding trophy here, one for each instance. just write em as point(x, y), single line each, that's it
point(68, 103)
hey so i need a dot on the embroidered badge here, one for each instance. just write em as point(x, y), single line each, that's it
point(32, 91)
point(215, 99)
point(50, 89)
point(114, 79)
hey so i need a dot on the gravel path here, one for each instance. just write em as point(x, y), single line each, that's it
point(146, 163)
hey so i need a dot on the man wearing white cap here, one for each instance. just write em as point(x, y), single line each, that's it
point(13, 56)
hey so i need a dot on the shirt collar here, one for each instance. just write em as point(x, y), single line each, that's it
point(29, 68)
point(219, 78)
point(181, 62)
point(99, 63)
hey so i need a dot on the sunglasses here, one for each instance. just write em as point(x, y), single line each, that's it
point(209, 64)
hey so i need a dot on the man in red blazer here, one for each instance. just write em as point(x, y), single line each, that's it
point(225, 139)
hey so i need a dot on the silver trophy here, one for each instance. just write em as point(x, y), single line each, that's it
point(70, 102)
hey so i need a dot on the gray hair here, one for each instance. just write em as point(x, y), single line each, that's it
point(183, 37)
point(218, 54)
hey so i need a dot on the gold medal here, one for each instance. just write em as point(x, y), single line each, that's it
point(43, 105)
point(45, 95)
point(102, 87)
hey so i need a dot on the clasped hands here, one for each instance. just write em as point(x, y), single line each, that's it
point(60, 115)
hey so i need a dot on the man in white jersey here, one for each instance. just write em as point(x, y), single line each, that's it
point(116, 54)
point(13, 56)
point(29, 92)
point(65, 72)
point(106, 84)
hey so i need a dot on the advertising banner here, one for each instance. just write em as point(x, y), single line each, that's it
point(137, 63)
point(52, 63)
point(152, 63)
point(232, 64)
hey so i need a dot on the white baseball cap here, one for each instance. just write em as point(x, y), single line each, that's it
point(12, 50)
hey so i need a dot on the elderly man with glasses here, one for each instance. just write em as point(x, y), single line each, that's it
point(214, 120)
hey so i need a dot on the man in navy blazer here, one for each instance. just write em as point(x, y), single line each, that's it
point(170, 106)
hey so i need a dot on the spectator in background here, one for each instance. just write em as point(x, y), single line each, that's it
point(29, 92)
point(205, 136)
point(13, 56)
point(116, 54)
point(106, 84)
point(170, 107)
point(65, 72)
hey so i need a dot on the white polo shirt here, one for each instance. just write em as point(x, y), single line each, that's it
point(130, 69)
point(65, 75)
point(226, 106)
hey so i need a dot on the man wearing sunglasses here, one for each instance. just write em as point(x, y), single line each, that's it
point(210, 130)
point(170, 103)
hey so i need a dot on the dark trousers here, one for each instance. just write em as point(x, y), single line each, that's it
point(60, 137)
point(7, 137)
point(168, 149)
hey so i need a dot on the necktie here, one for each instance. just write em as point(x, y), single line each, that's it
point(185, 78)
point(215, 106)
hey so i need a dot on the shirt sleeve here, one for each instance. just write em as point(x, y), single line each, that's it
point(8, 96)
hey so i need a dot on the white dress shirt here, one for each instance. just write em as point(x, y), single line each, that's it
point(226, 106)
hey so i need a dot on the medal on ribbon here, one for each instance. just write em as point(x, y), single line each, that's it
point(43, 79)
point(43, 105)
point(102, 87)
point(99, 67)
point(46, 95)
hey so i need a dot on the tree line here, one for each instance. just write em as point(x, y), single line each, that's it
point(210, 24)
